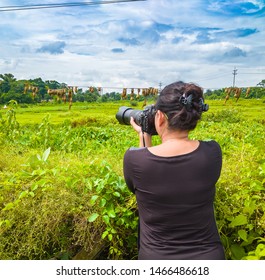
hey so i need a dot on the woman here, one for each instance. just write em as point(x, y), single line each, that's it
point(174, 182)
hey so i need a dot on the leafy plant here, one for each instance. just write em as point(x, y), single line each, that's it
point(116, 208)
point(62, 190)
point(9, 126)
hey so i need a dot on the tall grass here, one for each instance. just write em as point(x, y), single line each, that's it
point(62, 192)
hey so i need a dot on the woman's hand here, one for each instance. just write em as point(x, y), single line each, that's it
point(145, 139)
point(135, 126)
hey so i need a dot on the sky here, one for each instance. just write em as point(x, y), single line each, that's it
point(137, 44)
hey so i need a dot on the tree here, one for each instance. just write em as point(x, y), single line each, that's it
point(6, 83)
point(115, 96)
point(53, 84)
point(261, 84)
point(11, 89)
point(41, 87)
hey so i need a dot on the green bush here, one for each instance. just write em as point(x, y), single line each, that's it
point(62, 191)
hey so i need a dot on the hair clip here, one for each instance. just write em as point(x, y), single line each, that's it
point(186, 101)
point(203, 107)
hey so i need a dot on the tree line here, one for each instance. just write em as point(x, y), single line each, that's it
point(254, 92)
point(13, 89)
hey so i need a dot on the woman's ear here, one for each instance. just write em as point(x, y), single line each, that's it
point(161, 117)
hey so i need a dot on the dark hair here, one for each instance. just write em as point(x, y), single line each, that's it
point(182, 112)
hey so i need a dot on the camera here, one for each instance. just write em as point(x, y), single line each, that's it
point(144, 118)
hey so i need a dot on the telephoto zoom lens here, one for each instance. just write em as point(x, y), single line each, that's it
point(125, 113)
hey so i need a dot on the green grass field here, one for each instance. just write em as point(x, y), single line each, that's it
point(249, 108)
point(62, 191)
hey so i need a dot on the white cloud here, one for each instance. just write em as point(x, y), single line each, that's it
point(135, 44)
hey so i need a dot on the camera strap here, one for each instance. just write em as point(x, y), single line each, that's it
point(143, 138)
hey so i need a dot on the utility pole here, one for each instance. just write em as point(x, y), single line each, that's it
point(234, 74)
point(160, 87)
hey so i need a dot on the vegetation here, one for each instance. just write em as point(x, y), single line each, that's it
point(255, 92)
point(13, 89)
point(62, 192)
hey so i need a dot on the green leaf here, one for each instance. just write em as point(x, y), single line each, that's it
point(120, 222)
point(111, 213)
point(23, 194)
point(46, 154)
point(237, 251)
point(7, 223)
point(34, 187)
point(8, 206)
point(110, 207)
point(102, 202)
point(243, 234)
point(250, 208)
point(93, 199)
point(117, 194)
point(110, 237)
point(239, 221)
point(104, 234)
point(252, 258)
point(105, 218)
point(260, 250)
point(93, 217)
point(32, 194)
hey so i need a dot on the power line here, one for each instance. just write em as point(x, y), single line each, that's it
point(215, 76)
point(260, 73)
point(61, 5)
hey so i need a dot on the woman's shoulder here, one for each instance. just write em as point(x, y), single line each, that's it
point(134, 150)
point(133, 155)
point(210, 144)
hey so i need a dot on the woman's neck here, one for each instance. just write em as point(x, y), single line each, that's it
point(175, 136)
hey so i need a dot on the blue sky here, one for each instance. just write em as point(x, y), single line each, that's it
point(137, 44)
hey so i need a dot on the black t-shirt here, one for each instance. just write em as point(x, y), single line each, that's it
point(175, 201)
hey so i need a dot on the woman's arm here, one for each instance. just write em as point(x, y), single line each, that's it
point(145, 139)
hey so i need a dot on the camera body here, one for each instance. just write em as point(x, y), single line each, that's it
point(144, 118)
